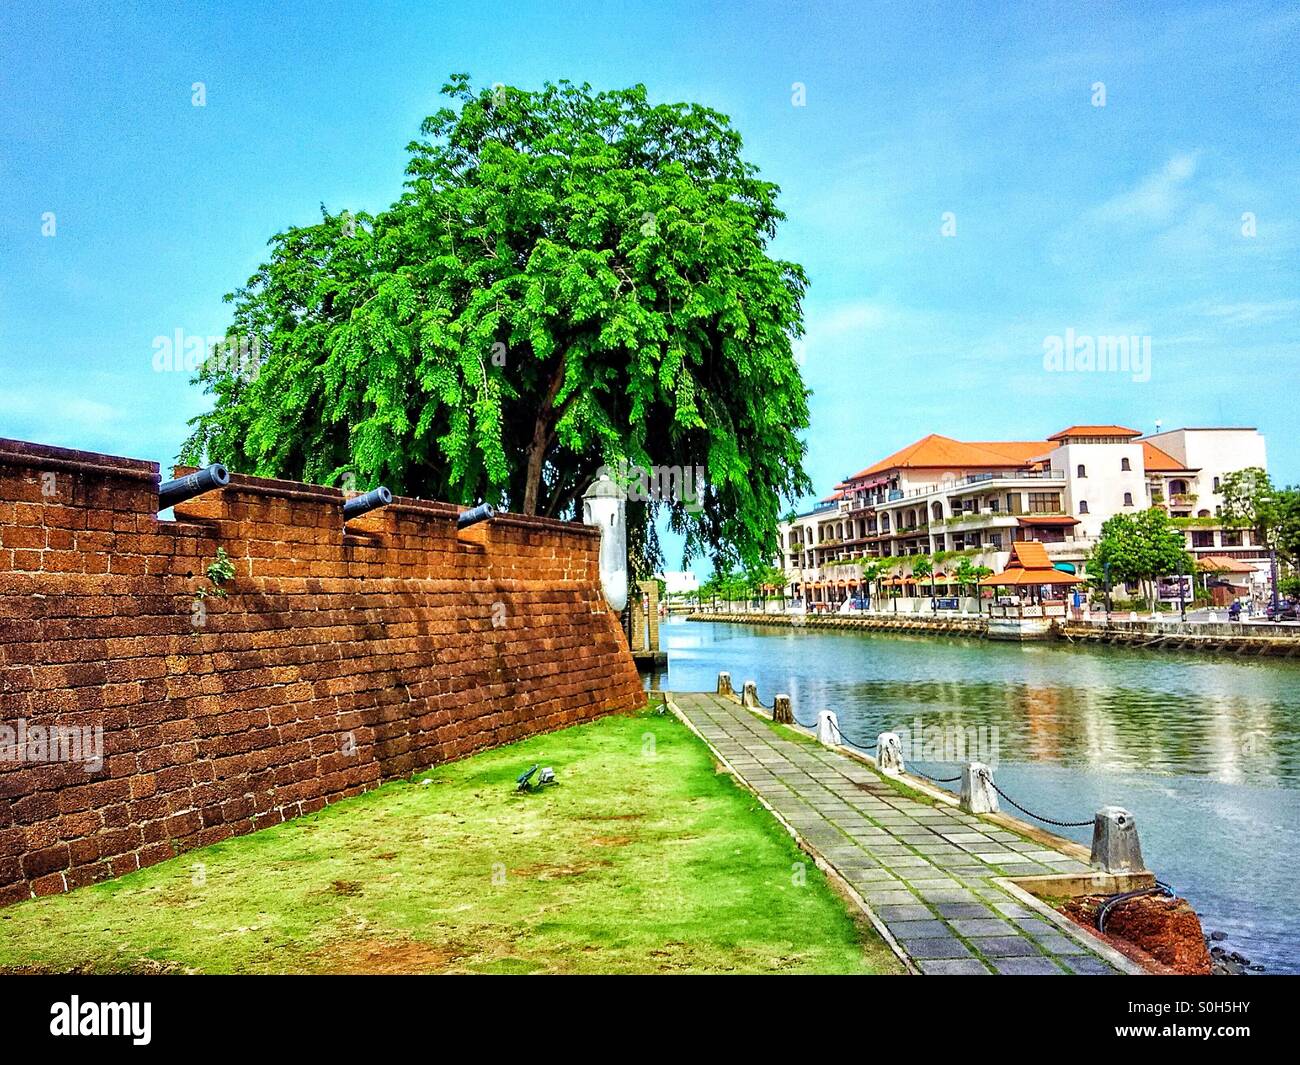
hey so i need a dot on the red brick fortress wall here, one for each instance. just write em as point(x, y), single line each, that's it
point(338, 660)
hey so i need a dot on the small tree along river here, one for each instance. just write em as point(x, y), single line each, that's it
point(1204, 750)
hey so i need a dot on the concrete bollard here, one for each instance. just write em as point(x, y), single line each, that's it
point(1115, 846)
point(724, 684)
point(828, 728)
point(889, 753)
point(782, 711)
point(977, 794)
point(749, 695)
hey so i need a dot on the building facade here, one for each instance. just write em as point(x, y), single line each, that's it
point(946, 499)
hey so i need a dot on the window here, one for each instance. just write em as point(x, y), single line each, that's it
point(995, 541)
point(1202, 539)
point(1216, 484)
point(1044, 502)
point(1230, 538)
point(1128, 499)
point(1124, 464)
point(1083, 470)
point(1083, 506)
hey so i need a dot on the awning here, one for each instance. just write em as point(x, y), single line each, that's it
point(1048, 521)
point(1223, 564)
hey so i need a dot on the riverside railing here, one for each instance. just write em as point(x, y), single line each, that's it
point(1115, 846)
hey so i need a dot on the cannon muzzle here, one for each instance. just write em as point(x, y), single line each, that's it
point(192, 484)
point(482, 512)
point(363, 504)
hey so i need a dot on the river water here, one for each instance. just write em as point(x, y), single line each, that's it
point(1204, 750)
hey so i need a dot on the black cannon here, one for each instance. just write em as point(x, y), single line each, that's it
point(363, 504)
point(192, 484)
point(482, 512)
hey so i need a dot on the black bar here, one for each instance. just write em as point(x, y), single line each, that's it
point(482, 512)
point(192, 484)
point(363, 504)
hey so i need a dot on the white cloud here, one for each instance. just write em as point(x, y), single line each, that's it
point(1252, 313)
point(1156, 198)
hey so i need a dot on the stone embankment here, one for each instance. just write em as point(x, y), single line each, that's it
point(952, 626)
point(1248, 640)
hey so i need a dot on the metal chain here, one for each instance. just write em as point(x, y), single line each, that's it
point(1039, 817)
point(861, 747)
point(935, 780)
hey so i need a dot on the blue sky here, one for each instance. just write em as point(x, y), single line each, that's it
point(1122, 219)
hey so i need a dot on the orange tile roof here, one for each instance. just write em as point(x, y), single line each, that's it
point(1030, 554)
point(1223, 564)
point(1095, 430)
point(943, 452)
point(1029, 565)
point(1157, 461)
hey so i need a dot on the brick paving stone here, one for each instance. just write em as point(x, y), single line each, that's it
point(1089, 965)
point(913, 912)
point(919, 929)
point(936, 947)
point(971, 910)
point(953, 967)
point(1006, 946)
point(982, 926)
point(1039, 966)
point(928, 872)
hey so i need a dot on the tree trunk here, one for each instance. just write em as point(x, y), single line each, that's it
point(543, 434)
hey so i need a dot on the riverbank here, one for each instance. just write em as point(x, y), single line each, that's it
point(1220, 637)
point(955, 626)
point(1204, 749)
point(456, 871)
point(953, 893)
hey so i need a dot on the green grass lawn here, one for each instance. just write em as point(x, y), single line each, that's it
point(642, 858)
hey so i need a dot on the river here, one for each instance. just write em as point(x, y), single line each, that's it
point(1204, 750)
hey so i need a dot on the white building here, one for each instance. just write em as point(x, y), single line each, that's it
point(680, 582)
point(947, 498)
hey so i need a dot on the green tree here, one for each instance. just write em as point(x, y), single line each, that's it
point(873, 569)
point(922, 567)
point(1139, 548)
point(1272, 514)
point(571, 279)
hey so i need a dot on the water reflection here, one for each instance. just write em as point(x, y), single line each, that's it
point(1204, 750)
point(1112, 710)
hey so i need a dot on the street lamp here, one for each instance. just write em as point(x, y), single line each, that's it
point(1182, 601)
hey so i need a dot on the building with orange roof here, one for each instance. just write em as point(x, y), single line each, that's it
point(943, 498)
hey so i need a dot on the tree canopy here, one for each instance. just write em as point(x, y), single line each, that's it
point(1140, 547)
point(571, 279)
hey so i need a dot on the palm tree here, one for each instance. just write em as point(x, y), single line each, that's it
point(871, 573)
point(922, 567)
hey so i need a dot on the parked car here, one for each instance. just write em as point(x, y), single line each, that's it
point(1287, 610)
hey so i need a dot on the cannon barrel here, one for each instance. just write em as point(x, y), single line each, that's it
point(482, 512)
point(363, 504)
point(192, 484)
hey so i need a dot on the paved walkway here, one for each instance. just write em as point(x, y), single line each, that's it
point(926, 871)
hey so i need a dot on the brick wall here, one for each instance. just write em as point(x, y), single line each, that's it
point(340, 658)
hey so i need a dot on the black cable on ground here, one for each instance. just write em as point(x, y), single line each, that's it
point(1160, 888)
